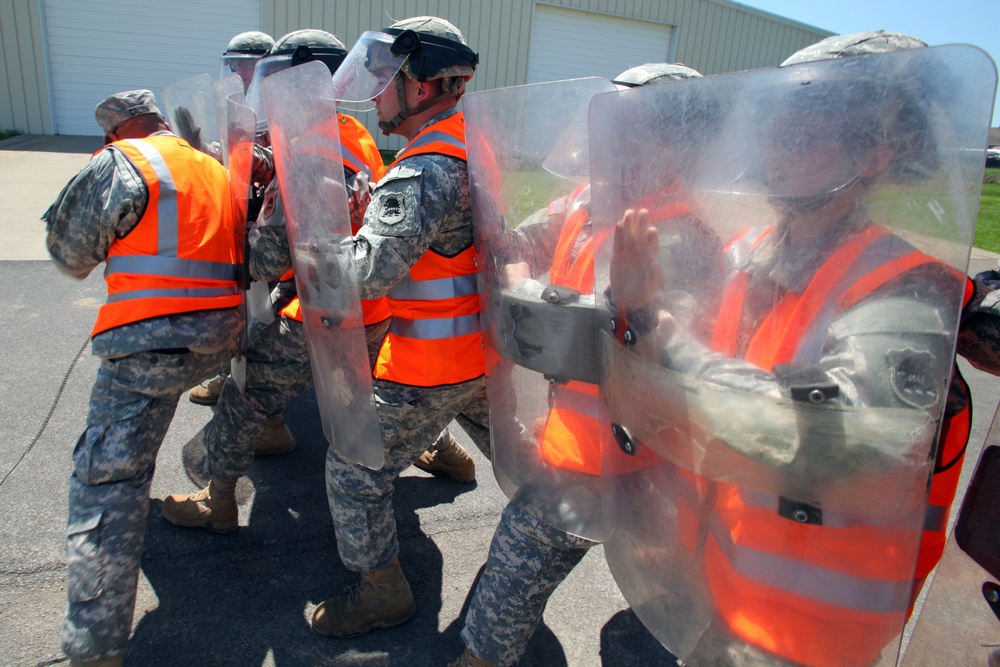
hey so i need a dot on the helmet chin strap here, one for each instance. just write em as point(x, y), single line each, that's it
point(387, 126)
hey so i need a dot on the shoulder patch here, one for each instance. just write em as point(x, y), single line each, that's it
point(392, 210)
point(912, 378)
point(558, 206)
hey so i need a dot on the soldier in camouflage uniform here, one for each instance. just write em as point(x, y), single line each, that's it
point(242, 53)
point(415, 246)
point(885, 348)
point(278, 369)
point(278, 366)
point(150, 350)
point(529, 558)
point(979, 326)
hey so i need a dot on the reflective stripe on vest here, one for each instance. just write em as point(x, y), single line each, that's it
point(434, 338)
point(165, 266)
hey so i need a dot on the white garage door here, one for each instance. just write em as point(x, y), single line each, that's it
point(102, 47)
point(567, 43)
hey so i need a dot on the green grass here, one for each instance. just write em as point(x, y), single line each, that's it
point(988, 222)
point(7, 134)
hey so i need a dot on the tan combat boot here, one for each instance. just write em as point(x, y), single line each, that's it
point(214, 508)
point(207, 393)
point(382, 599)
point(449, 457)
point(275, 439)
point(469, 660)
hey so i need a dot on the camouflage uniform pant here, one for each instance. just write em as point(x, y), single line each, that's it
point(528, 559)
point(131, 405)
point(277, 371)
point(410, 418)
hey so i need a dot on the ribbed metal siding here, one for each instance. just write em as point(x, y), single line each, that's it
point(24, 96)
point(498, 31)
point(713, 36)
point(148, 45)
point(569, 43)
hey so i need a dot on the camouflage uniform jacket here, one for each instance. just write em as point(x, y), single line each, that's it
point(422, 203)
point(104, 202)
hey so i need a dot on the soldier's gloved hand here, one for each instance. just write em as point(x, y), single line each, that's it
point(359, 195)
point(187, 129)
point(262, 171)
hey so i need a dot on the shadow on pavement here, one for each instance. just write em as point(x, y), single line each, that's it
point(625, 641)
point(240, 598)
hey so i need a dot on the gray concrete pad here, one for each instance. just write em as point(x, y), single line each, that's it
point(243, 599)
point(33, 169)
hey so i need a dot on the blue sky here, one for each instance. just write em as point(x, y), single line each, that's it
point(934, 21)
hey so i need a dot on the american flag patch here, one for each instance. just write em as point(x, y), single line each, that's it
point(558, 206)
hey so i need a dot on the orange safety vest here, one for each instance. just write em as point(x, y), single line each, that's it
point(571, 437)
point(181, 255)
point(435, 338)
point(360, 154)
point(832, 594)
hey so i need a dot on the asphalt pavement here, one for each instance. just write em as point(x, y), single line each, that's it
point(243, 599)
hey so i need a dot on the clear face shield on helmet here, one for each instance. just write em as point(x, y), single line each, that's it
point(367, 71)
point(818, 144)
point(241, 64)
point(807, 136)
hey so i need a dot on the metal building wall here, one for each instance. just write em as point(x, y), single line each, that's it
point(712, 36)
point(497, 30)
point(24, 93)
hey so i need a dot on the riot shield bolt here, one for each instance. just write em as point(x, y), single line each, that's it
point(623, 439)
point(816, 396)
point(614, 324)
point(800, 515)
point(327, 322)
point(629, 337)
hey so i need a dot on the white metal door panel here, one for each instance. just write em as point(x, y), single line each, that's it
point(102, 47)
point(568, 43)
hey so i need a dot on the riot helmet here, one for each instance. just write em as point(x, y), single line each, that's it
point(242, 53)
point(654, 73)
point(424, 48)
point(295, 48)
point(568, 159)
point(826, 127)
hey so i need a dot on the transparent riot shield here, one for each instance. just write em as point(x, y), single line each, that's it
point(959, 621)
point(528, 166)
point(310, 172)
point(223, 90)
point(780, 305)
point(240, 124)
point(190, 110)
point(228, 92)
